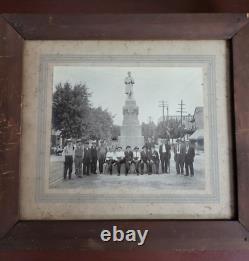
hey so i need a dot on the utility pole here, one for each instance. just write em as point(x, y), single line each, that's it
point(182, 110)
point(163, 105)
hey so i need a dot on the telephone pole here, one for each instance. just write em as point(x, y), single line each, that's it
point(182, 110)
point(163, 105)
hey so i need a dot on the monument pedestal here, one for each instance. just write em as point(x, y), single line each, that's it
point(131, 132)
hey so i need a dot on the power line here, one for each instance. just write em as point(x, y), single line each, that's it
point(163, 105)
point(181, 110)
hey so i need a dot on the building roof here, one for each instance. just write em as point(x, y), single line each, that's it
point(197, 135)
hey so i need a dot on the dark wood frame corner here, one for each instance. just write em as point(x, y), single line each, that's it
point(221, 239)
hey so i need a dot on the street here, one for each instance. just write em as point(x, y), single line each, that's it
point(160, 181)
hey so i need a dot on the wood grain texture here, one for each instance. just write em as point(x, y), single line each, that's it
point(71, 240)
point(127, 27)
point(241, 100)
point(11, 45)
point(121, 6)
point(163, 235)
point(132, 254)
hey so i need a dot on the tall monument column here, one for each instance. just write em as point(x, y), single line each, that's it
point(131, 132)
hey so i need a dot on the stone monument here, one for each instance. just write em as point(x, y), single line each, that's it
point(131, 132)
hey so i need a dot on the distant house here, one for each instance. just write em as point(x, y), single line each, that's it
point(198, 125)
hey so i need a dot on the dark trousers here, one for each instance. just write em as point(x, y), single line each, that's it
point(127, 166)
point(101, 163)
point(119, 162)
point(86, 167)
point(155, 167)
point(189, 168)
point(179, 165)
point(94, 166)
point(137, 165)
point(110, 165)
point(68, 166)
point(142, 166)
point(164, 162)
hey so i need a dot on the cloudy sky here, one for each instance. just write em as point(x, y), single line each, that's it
point(152, 84)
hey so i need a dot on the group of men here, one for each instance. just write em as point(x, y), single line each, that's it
point(133, 160)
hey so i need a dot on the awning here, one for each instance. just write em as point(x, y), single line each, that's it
point(197, 135)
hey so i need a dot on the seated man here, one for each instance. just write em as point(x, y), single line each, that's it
point(144, 159)
point(128, 159)
point(136, 159)
point(154, 160)
point(120, 157)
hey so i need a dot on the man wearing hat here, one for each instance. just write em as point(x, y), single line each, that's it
point(102, 150)
point(68, 153)
point(87, 159)
point(164, 151)
point(128, 159)
point(78, 158)
point(179, 152)
point(189, 159)
point(136, 158)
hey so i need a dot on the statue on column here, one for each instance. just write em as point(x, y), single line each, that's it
point(129, 81)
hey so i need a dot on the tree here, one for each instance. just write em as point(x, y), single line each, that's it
point(74, 116)
point(100, 123)
point(70, 109)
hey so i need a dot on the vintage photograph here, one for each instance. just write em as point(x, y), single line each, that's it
point(126, 130)
point(127, 126)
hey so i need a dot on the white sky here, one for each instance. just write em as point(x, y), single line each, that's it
point(152, 84)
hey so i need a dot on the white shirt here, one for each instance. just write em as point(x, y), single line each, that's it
point(178, 148)
point(120, 154)
point(163, 148)
point(68, 151)
point(137, 154)
point(109, 155)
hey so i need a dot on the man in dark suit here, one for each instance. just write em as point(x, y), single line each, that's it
point(154, 160)
point(144, 159)
point(102, 150)
point(164, 151)
point(189, 159)
point(86, 159)
point(179, 151)
point(128, 159)
point(94, 158)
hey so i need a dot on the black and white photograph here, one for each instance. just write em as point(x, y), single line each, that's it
point(126, 130)
point(133, 127)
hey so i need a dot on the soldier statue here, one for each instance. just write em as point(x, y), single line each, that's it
point(129, 81)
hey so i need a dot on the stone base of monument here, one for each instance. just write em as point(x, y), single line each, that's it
point(132, 141)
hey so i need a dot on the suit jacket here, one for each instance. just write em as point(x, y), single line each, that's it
point(154, 156)
point(94, 153)
point(128, 155)
point(190, 154)
point(167, 149)
point(180, 156)
point(144, 156)
point(87, 155)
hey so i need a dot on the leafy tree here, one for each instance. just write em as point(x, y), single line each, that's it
point(70, 109)
point(100, 123)
point(74, 116)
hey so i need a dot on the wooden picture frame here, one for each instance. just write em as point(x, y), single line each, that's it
point(189, 240)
